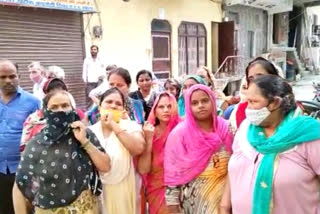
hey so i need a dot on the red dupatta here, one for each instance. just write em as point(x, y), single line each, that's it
point(154, 180)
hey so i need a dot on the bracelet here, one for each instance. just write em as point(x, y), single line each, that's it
point(85, 144)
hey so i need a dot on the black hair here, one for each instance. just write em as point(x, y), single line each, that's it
point(109, 92)
point(55, 84)
point(123, 73)
point(266, 64)
point(17, 66)
point(157, 121)
point(143, 72)
point(47, 98)
point(272, 86)
point(175, 83)
point(94, 46)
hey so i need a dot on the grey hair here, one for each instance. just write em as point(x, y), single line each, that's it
point(57, 72)
point(37, 65)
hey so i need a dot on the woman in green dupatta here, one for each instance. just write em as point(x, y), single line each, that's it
point(275, 165)
point(187, 83)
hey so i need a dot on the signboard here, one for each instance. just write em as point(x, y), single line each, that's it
point(72, 5)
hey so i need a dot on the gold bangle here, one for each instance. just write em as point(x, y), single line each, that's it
point(85, 144)
point(86, 148)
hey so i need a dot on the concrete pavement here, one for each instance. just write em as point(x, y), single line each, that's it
point(303, 88)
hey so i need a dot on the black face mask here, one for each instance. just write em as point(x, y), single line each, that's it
point(58, 124)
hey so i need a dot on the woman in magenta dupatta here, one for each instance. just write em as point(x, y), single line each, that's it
point(196, 156)
point(162, 119)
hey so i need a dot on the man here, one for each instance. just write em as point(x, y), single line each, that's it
point(93, 68)
point(95, 93)
point(15, 106)
point(38, 77)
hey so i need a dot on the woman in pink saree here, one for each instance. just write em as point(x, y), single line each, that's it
point(162, 119)
point(196, 156)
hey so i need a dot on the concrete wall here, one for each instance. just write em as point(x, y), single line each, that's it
point(250, 19)
point(314, 10)
point(126, 26)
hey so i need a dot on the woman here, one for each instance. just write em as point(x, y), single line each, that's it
point(162, 119)
point(173, 87)
point(36, 121)
point(122, 139)
point(186, 84)
point(57, 172)
point(196, 156)
point(258, 67)
point(120, 78)
point(145, 93)
point(204, 73)
point(275, 166)
point(55, 72)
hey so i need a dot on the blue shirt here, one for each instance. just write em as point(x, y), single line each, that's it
point(12, 116)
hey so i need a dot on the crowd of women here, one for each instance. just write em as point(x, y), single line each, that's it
point(181, 149)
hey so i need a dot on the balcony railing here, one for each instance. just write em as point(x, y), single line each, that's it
point(232, 69)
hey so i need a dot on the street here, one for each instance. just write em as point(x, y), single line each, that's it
point(303, 88)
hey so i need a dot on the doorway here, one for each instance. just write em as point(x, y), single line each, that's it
point(161, 48)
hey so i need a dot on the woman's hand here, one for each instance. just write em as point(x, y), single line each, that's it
point(148, 130)
point(79, 131)
point(125, 116)
point(107, 120)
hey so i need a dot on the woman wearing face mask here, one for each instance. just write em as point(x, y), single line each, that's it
point(162, 119)
point(57, 172)
point(188, 82)
point(122, 139)
point(275, 166)
point(145, 93)
point(258, 67)
point(196, 156)
point(173, 87)
point(120, 78)
point(36, 121)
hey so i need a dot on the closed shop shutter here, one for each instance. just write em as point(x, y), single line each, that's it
point(52, 37)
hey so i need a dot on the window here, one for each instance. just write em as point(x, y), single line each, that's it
point(161, 47)
point(161, 44)
point(192, 47)
point(251, 44)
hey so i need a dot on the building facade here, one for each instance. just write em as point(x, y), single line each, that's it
point(251, 29)
point(45, 31)
point(171, 38)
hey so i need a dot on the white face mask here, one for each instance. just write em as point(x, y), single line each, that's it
point(257, 116)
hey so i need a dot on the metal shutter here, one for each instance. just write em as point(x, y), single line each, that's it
point(52, 37)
